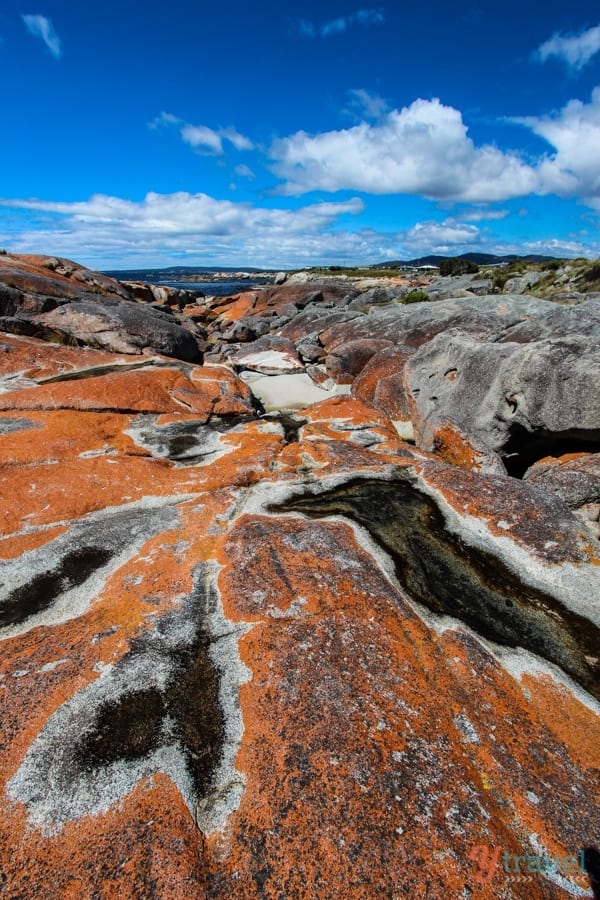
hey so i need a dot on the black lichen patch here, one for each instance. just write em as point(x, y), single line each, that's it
point(41, 592)
point(186, 713)
point(127, 729)
point(187, 443)
point(158, 709)
point(440, 571)
point(290, 423)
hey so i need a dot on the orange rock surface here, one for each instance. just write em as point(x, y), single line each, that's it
point(237, 655)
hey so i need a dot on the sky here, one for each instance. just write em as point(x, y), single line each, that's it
point(288, 134)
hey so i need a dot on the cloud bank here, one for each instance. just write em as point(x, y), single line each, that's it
point(166, 229)
point(187, 226)
point(41, 27)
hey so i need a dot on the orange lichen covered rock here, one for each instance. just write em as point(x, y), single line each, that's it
point(280, 655)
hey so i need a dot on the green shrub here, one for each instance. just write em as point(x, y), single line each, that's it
point(416, 297)
point(593, 273)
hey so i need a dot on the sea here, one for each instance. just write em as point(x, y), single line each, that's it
point(216, 288)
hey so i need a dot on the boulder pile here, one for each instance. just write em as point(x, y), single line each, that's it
point(299, 591)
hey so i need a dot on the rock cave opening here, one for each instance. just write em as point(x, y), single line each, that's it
point(524, 448)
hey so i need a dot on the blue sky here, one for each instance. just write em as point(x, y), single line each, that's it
point(289, 134)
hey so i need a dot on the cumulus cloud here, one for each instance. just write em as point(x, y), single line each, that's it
point(575, 50)
point(422, 149)
point(41, 27)
point(574, 133)
point(188, 226)
point(306, 28)
point(201, 137)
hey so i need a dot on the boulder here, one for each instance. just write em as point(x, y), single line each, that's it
point(381, 382)
point(348, 360)
point(521, 400)
point(123, 327)
point(574, 478)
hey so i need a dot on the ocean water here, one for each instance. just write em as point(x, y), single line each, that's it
point(215, 288)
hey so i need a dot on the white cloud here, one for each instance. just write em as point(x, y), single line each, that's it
point(239, 141)
point(200, 137)
point(244, 171)
point(164, 119)
point(308, 29)
point(440, 237)
point(106, 231)
point(365, 105)
point(576, 50)
point(574, 133)
point(41, 27)
point(422, 149)
point(163, 229)
point(481, 215)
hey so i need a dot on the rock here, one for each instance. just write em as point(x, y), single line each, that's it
point(497, 318)
point(122, 326)
point(310, 350)
point(520, 400)
point(574, 478)
point(280, 278)
point(348, 360)
point(245, 330)
point(60, 300)
point(381, 382)
point(520, 284)
point(289, 654)
point(452, 443)
point(53, 277)
point(270, 356)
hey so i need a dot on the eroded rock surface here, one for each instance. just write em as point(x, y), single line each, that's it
point(286, 653)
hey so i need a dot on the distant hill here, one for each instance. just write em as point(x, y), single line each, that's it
point(481, 259)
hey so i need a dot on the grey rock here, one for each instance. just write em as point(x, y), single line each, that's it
point(495, 317)
point(520, 284)
point(576, 481)
point(122, 326)
point(518, 399)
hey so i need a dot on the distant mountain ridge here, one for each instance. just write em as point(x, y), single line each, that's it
point(480, 259)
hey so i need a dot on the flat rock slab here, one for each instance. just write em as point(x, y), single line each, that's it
point(269, 356)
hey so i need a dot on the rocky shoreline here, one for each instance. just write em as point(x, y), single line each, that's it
point(300, 589)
